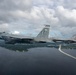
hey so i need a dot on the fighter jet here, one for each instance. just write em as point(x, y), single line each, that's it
point(17, 42)
point(41, 37)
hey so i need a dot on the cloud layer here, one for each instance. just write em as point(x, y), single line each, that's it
point(32, 15)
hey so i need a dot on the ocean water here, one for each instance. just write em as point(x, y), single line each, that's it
point(36, 61)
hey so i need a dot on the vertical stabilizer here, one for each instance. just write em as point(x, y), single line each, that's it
point(43, 35)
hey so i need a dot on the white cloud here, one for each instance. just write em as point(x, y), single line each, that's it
point(66, 13)
point(3, 27)
point(43, 2)
point(16, 32)
point(67, 19)
point(33, 14)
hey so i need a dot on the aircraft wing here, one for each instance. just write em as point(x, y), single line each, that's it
point(64, 41)
point(12, 39)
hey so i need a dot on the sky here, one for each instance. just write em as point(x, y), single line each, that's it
point(30, 16)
